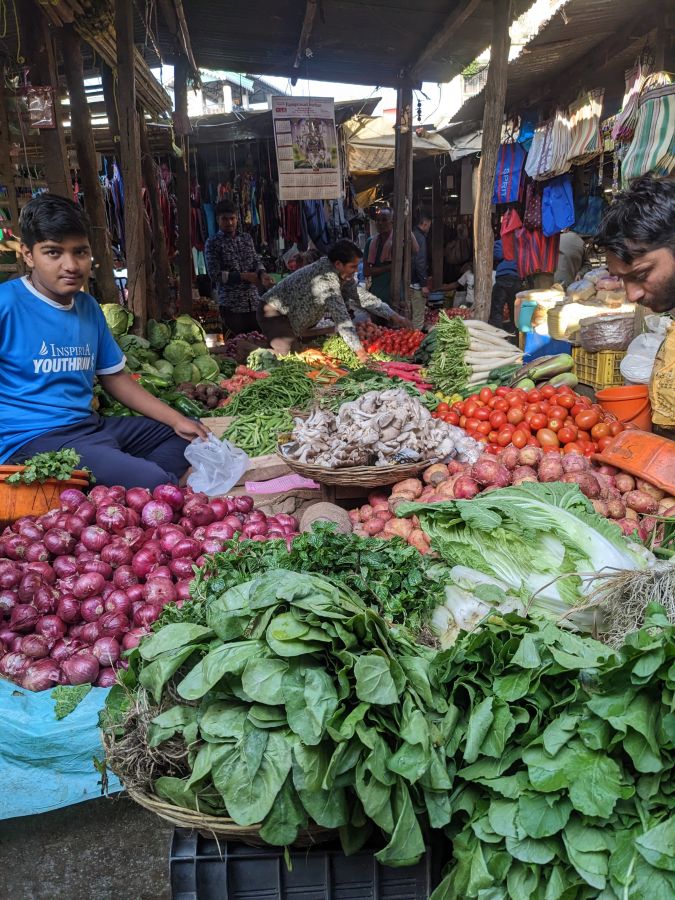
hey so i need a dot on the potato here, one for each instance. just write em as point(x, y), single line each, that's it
point(354, 516)
point(419, 541)
point(410, 486)
point(374, 526)
point(397, 499)
point(446, 489)
point(631, 514)
point(666, 504)
point(648, 488)
point(641, 502)
point(624, 482)
point(399, 528)
point(378, 499)
point(367, 512)
point(435, 474)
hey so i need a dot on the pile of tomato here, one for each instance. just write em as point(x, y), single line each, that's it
point(395, 341)
point(547, 417)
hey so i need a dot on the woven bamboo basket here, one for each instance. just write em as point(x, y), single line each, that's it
point(220, 826)
point(359, 476)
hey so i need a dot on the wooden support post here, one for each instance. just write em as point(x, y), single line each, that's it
point(183, 190)
point(9, 204)
point(130, 158)
point(495, 94)
point(437, 231)
point(160, 257)
point(83, 138)
point(400, 257)
point(39, 49)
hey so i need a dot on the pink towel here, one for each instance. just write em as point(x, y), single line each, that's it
point(281, 485)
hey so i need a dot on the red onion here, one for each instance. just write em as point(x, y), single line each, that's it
point(71, 499)
point(8, 600)
point(13, 665)
point(137, 497)
point(188, 547)
point(49, 519)
point(65, 647)
point(10, 576)
point(37, 552)
point(51, 627)
point(43, 569)
point(251, 529)
point(132, 638)
point(124, 577)
point(235, 521)
point(221, 507)
point(199, 534)
point(75, 632)
point(159, 572)
point(81, 668)
point(220, 530)
point(135, 592)
point(41, 675)
point(243, 504)
point(15, 643)
point(133, 518)
point(112, 517)
point(156, 512)
point(97, 566)
point(182, 567)
point(68, 609)
point(23, 618)
point(284, 519)
point(113, 624)
point(106, 678)
point(66, 584)
point(36, 646)
point(16, 546)
point(186, 525)
point(147, 614)
point(200, 514)
point(28, 585)
point(145, 560)
point(211, 545)
point(46, 599)
point(6, 634)
point(117, 553)
point(59, 542)
point(169, 493)
point(99, 494)
point(106, 650)
point(30, 530)
point(183, 589)
point(117, 493)
point(88, 585)
point(134, 536)
point(118, 602)
point(201, 561)
point(169, 539)
point(160, 591)
point(82, 552)
point(257, 515)
point(87, 512)
point(94, 538)
point(92, 608)
point(75, 525)
point(91, 632)
point(136, 604)
point(108, 588)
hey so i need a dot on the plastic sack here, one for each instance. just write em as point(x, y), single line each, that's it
point(216, 465)
point(47, 763)
point(638, 363)
point(580, 290)
point(606, 332)
point(594, 275)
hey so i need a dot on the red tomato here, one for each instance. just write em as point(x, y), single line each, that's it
point(442, 408)
point(538, 421)
point(547, 438)
point(604, 442)
point(532, 441)
point(599, 431)
point(497, 419)
point(565, 389)
point(534, 407)
point(492, 437)
point(483, 428)
point(494, 449)
point(458, 408)
point(519, 438)
point(502, 391)
point(482, 414)
point(515, 415)
point(491, 402)
point(566, 435)
point(470, 407)
point(589, 449)
point(485, 394)
point(462, 421)
point(583, 436)
point(502, 405)
point(567, 401)
point(557, 412)
point(504, 438)
point(451, 418)
point(555, 424)
point(548, 391)
point(572, 447)
point(514, 399)
point(587, 419)
point(471, 425)
point(534, 396)
point(616, 428)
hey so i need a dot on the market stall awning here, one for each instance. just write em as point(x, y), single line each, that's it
point(371, 144)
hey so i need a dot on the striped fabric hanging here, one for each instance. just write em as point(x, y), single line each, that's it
point(585, 140)
point(653, 146)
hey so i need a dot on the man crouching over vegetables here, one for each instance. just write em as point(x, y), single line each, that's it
point(53, 340)
point(325, 288)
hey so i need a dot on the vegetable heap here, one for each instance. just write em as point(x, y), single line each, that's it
point(284, 388)
point(258, 433)
point(394, 341)
point(82, 583)
point(563, 751)
point(295, 702)
point(57, 464)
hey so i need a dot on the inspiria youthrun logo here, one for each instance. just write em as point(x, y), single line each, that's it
point(54, 358)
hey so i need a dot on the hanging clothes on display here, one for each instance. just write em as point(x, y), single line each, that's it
point(532, 212)
point(585, 139)
point(508, 174)
point(550, 148)
point(510, 224)
point(316, 225)
point(626, 120)
point(589, 208)
point(534, 252)
point(557, 205)
point(653, 146)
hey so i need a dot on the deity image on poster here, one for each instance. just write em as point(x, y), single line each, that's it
point(314, 144)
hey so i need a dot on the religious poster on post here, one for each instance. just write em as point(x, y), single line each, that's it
point(307, 148)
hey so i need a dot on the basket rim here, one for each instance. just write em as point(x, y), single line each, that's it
point(367, 476)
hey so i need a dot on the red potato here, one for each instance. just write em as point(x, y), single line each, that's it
point(397, 499)
point(601, 507)
point(359, 532)
point(588, 484)
point(524, 479)
point(641, 502)
point(435, 474)
point(410, 486)
point(616, 509)
point(455, 467)
point(398, 528)
point(530, 456)
point(367, 512)
point(510, 457)
point(624, 482)
point(378, 499)
point(647, 527)
point(668, 512)
point(628, 526)
point(550, 469)
point(374, 526)
point(354, 516)
point(648, 488)
point(466, 488)
point(428, 492)
point(419, 541)
point(631, 514)
point(574, 462)
point(666, 504)
point(521, 472)
point(608, 470)
point(488, 471)
point(446, 489)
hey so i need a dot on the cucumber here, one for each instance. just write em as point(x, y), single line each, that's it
point(476, 388)
point(502, 374)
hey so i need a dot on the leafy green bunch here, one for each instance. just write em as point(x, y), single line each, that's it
point(295, 703)
point(563, 752)
point(58, 464)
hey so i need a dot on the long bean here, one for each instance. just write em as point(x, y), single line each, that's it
point(285, 388)
point(258, 433)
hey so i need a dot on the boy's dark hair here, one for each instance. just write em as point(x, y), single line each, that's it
point(49, 217)
point(226, 208)
point(640, 219)
point(422, 216)
point(344, 251)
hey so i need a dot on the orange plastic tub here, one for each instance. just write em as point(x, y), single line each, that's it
point(646, 456)
point(17, 500)
point(630, 404)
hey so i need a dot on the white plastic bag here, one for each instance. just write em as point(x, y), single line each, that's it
point(216, 465)
point(636, 366)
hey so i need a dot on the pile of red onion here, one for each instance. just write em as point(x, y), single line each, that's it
point(83, 583)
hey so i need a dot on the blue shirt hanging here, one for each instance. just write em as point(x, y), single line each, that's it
point(508, 174)
point(557, 205)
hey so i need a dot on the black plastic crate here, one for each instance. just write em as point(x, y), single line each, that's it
point(203, 869)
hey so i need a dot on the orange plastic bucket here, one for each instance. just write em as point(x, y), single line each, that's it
point(630, 404)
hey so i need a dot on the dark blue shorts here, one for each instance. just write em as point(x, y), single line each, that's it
point(130, 450)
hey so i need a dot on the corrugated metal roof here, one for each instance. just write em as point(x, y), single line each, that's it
point(554, 65)
point(351, 41)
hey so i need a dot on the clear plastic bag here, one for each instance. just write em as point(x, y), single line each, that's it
point(638, 363)
point(216, 465)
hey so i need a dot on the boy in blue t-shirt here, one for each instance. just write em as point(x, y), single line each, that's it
point(53, 340)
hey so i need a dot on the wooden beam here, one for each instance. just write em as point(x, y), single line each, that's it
point(39, 49)
point(443, 35)
point(160, 258)
point(174, 20)
point(183, 191)
point(437, 230)
point(495, 93)
point(400, 257)
point(83, 139)
point(306, 32)
point(130, 158)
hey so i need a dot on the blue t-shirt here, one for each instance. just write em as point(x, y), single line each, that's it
point(49, 355)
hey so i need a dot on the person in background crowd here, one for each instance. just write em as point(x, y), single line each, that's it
point(420, 260)
point(323, 289)
point(570, 258)
point(506, 285)
point(236, 271)
point(53, 340)
point(638, 235)
point(378, 254)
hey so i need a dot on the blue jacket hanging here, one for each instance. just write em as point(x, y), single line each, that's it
point(557, 205)
point(509, 172)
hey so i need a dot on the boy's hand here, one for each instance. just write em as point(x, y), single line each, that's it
point(189, 429)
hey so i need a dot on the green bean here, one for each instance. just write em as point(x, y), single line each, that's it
point(285, 388)
point(257, 433)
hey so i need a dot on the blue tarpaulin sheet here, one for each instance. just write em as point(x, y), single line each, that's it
point(46, 763)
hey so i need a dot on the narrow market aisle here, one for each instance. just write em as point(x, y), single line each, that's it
point(98, 850)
